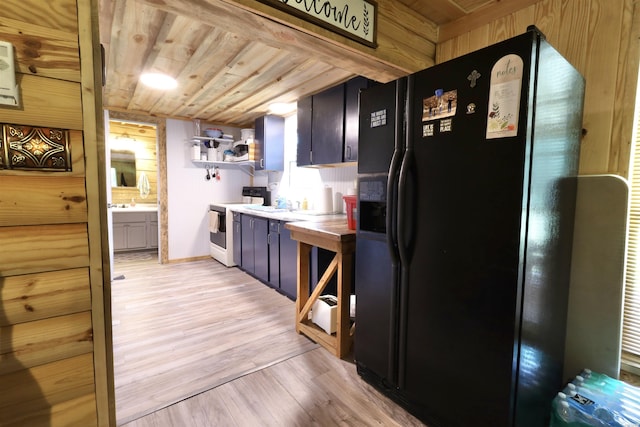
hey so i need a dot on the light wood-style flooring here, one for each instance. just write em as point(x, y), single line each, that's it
point(200, 344)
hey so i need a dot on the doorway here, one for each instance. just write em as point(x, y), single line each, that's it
point(133, 176)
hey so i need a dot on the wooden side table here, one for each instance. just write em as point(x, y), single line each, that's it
point(336, 237)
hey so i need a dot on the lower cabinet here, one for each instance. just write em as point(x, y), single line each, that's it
point(135, 230)
point(237, 238)
point(263, 248)
point(288, 263)
point(255, 248)
point(283, 255)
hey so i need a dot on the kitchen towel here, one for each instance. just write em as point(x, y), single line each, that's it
point(214, 221)
point(143, 185)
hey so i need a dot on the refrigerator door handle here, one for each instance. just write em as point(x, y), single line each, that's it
point(392, 201)
point(404, 221)
point(405, 225)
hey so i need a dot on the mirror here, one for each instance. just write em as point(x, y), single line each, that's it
point(123, 168)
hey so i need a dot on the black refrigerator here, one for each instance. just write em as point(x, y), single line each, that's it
point(466, 199)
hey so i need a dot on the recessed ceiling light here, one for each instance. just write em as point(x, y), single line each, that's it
point(282, 108)
point(158, 81)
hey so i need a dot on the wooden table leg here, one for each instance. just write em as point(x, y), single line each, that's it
point(344, 303)
point(304, 253)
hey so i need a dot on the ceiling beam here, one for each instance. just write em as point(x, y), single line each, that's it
point(256, 21)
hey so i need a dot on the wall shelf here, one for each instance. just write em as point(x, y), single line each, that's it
point(207, 138)
point(247, 167)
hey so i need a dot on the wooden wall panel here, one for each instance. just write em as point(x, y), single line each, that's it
point(27, 396)
point(30, 344)
point(52, 302)
point(57, 15)
point(42, 199)
point(593, 35)
point(42, 51)
point(46, 103)
point(38, 248)
point(30, 297)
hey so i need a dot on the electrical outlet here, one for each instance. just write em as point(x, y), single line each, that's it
point(9, 91)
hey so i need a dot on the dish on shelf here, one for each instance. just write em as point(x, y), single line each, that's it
point(213, 132)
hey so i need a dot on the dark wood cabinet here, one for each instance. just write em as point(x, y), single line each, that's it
point(283, 253)
point(351, 117)
point(288, 263)
point(274, 254)
point(303, 154)
point(328, 125)
point(255, 252)
point(269, 143)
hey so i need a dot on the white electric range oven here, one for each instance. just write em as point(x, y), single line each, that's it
point(221, 239)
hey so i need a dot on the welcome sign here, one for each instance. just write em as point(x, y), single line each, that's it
point(355, 19)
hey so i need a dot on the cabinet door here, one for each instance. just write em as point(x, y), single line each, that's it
point(269, 141)
point(248, 263)
point(153, 234)
point(119, 237)
point(351, 118)
point(136, 235)
point(237, 239)
point(274, 253)
point(304, 131)
point(327, 126)
point(261, 248)
point(288, 264)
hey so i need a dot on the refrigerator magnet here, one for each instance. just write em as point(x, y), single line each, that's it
point(473, 78)
point(442, 104)
point(504, 97)
point(427, 130)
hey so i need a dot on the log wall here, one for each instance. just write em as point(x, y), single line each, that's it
point(54, 367)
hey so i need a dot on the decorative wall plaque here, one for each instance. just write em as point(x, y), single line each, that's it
point(34, 148)
point(355, 19)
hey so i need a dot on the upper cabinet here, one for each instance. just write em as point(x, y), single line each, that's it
point(269, 143)
point(328, 125)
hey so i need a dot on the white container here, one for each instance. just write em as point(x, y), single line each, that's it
point(212, 154)
point(325, 201)
point(324, 312)
point(246, 134)
point(195, 152)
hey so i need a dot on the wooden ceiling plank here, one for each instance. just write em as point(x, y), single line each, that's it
point(343, 47)
point(438, 11)
point(130, 47)
point(233, 18)
point(106, 10)
point(142, 97)
point(201, 69)
point(482, 16)
point(468, 6)
point(170, 55)
point(313, 83)
point(214, 82)
point(262, 83)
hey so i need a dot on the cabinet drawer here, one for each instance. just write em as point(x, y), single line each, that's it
point(129, 217)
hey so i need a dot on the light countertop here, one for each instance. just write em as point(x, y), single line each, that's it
point(139, 207)
point(287, 215)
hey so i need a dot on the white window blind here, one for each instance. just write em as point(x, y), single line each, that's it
point(631, 316)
